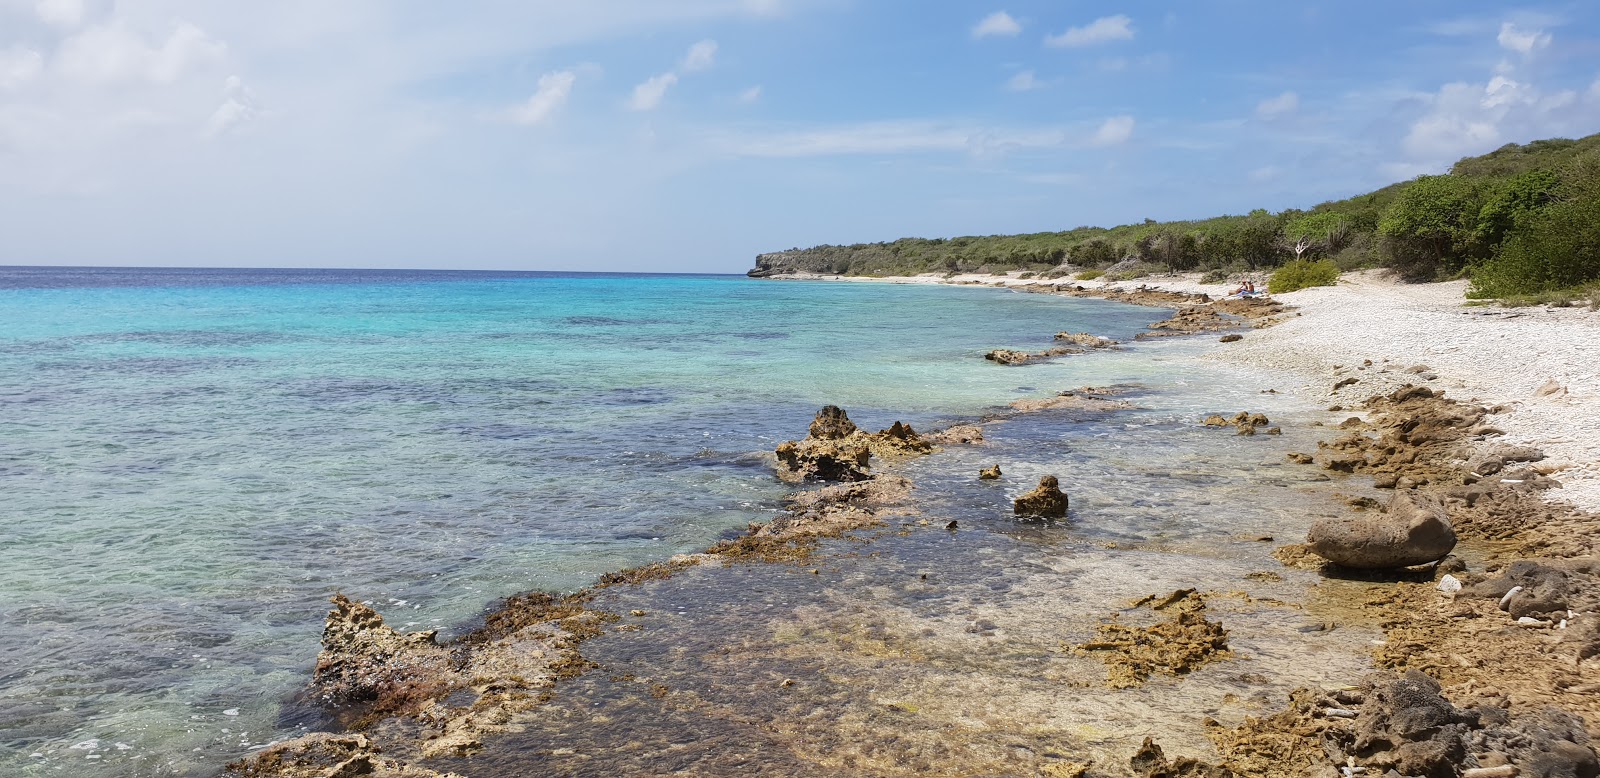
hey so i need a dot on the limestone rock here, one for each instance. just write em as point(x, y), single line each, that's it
point(1085, 340)
point(1551, 388)
point(823, 460)
point(1414, 530)
point(363, 659)
point(1234, 338)
point(990, 473)
point(1046, 500)
point(832, 423)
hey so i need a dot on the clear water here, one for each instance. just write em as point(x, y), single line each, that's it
point(191, 462)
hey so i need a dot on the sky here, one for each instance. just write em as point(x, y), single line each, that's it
point(691, 135)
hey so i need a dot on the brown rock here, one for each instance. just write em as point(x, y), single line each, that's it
point(1046, 500)
point(990, 473)
point(832, 423)
point(1234, 338)
point(1414, 530)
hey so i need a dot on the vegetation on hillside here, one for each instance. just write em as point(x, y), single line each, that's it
point(1521, 220)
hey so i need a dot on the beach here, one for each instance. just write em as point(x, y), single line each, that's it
point(1345, 369)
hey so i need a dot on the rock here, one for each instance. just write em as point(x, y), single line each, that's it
point(1046, 500)
point(823, 460)
point(1150, 762)
point(836, 450)
point(1551, 388)
point(1345, 382)
point(364, 660)
point(832, 423)
point(323, 755)
point(1407, 726)
point(1414, 530)
point(899, 440)
point(990, 473)
point(1301, 459)
point(1085, 339)
point(1215, 420)
point(1007, 356)
point(1234, 338)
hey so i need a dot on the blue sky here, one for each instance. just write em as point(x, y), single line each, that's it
point(689, 135)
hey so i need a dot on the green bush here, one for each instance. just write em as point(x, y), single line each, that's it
point(1303, 273)
point(1554, 249)
point(1089, 275)
point(1215, 276)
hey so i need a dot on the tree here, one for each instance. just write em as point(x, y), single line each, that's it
point(1513, 202)
point(1550, 248)
point(1431, 227)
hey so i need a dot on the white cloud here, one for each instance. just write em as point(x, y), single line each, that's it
point(1522, 41)
point(893, 137)
point(1114, 131)
point(238, 106)
point(1262, 175)
point(61, 13)
point(1024, 82)
point(1282, 105)
point(1465, 118)
point(701, 56)
point(1102, 30)
point(751, 95)
point(112, 54)
point(997, 25)
point(554, 88)
point(648, 95)
point(19, 66)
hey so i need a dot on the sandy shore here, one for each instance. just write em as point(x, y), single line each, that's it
point(1482, 354)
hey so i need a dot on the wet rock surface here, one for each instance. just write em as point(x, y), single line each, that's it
point(1180, 645)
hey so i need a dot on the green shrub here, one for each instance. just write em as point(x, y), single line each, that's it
point(1303, 273)
point(1557, 248)
point(1089, 275)
point(1215, 276)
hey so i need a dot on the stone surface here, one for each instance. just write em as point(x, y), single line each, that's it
point(989, 473)
point(1413, 530)
point(1046, 500)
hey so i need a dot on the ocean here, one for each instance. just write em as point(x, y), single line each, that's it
point(193, 461)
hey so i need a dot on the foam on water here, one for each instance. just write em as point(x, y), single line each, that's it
point(193, 461)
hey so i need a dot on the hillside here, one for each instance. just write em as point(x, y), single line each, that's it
point(1520, 219)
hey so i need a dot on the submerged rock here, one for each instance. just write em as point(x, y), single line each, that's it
point(1046, 500)
point(323, 755)
point(1413, 530)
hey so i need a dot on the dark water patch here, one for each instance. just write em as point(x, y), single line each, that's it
point(188, 338)
point(150, 366)
point(609, 321)
point(762, 335)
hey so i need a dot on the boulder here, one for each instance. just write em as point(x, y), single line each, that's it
point(1085, 339)
point(824, 460)
point(990, 473)
point(832, 423)
point(1046, 500)
point(1413, 530)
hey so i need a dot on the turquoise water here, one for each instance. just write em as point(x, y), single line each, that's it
point(193, 461)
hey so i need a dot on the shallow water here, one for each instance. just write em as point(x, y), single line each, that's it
point(193, 461)
point(935, 652)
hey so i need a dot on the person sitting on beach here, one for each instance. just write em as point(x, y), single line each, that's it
point(1246, 288)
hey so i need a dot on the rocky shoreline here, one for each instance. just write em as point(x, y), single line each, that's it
point(1487, 664)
